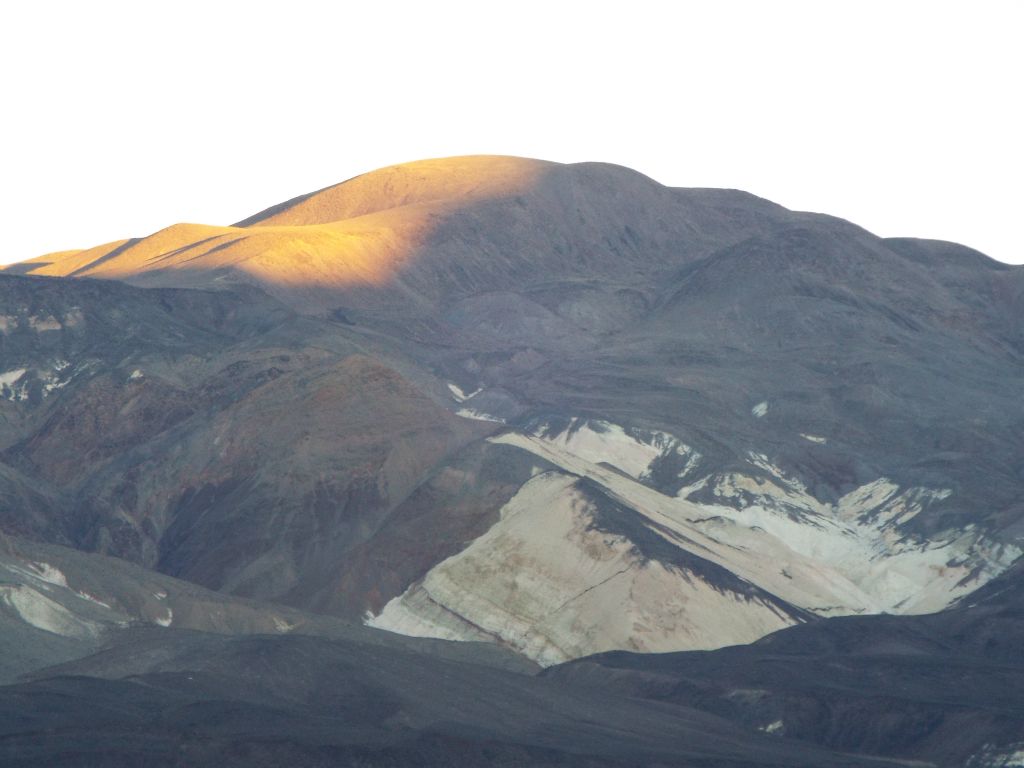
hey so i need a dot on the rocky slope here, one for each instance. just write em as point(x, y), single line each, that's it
point(588, 556)
point(171, 697)
point(562, 408)
point(943, 688)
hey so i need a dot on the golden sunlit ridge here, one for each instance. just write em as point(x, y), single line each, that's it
point(359, 232)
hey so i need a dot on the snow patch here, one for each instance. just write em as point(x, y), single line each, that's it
point(760, 409)
point(814, 438)
point(165, 621)
point(775, 727)
point(136, 375)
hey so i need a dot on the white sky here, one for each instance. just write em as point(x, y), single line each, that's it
point(121, 118)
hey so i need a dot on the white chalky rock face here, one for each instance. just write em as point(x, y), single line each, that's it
point(49, 574)
point(42, 323)
point(85, 598)
point(777, 727)
point(7, 378)
point(41, 595)
point(460, 395)
point(549, 582)
point(283, 625)
point(472, 413)
point(74, 318)
point(38, 572)
point(467, 411)
point(859, 538)
point(1009, 756)
point(14, 384)
point(632, 451)
point(43, 612)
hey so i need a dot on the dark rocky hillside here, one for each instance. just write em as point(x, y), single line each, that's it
point(559, 409)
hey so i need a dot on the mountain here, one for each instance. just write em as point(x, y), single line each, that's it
point(560, 409)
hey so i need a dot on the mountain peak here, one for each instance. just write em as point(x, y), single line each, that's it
point(459, 180)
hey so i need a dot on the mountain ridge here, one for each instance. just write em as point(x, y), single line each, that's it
point(557, 408)
point(785, 289)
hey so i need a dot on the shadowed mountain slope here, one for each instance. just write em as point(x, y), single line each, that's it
point(944, 688)
point(561, 408)
point(119, 665)
point(171, 695)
